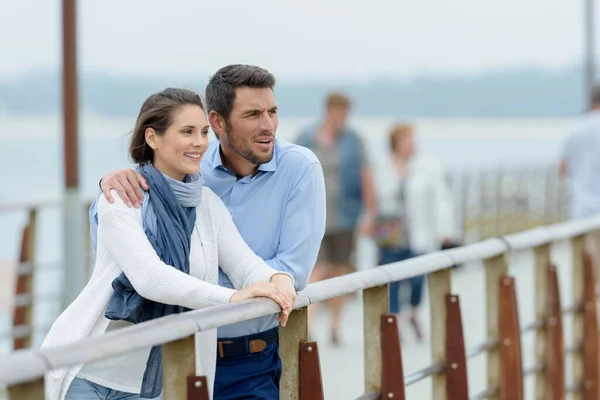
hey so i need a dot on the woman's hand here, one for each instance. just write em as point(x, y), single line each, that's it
point(268, 290)
point(286, 285)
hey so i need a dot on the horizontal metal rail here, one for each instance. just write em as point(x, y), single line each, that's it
point(486, 394)
point(534, 369)
point(24, 366)
point(369, 396)
point(414, 377)
point(532, 326)
point(486, 346)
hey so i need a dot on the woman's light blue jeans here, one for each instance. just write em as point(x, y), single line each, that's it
point(82, 389)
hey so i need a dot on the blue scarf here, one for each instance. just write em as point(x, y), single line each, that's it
point(168, 215)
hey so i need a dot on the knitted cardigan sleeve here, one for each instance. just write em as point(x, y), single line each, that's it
point(236, 258)
point(120, 229)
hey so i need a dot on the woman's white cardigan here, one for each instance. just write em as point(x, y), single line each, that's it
point(123, 247)
point(428, 202)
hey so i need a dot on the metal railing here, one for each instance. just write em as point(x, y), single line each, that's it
point(21, 371)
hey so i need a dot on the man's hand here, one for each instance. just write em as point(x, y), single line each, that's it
point(128, 185)
point(285, 284)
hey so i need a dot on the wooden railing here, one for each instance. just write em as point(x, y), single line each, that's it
point(384, 373)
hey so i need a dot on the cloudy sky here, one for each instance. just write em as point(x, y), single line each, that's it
point(309, 39)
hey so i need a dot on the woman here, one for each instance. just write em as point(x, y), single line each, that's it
point(162, 258)
point(416, 213)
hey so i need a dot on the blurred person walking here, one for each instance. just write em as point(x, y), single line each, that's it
point(416, 214)
point(349, 195)
point(580, 164)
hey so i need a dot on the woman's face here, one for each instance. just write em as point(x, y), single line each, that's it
point(405, 146)
point(179, 150)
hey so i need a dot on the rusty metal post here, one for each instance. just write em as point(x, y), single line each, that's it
point(179, 363)
point(74, 248)
point(578, 254)
point(392, 384)
point(311, 384)
point(495, 268)
point(439, 288)
point(290, 337)
point(542, 260)
point(590, 333)
point(511, 376)
point(555, 360)
point(23, 308)
point(457, 385)
point(375, 304)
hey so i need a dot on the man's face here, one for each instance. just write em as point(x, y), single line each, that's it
point(338, 115)
point(252, 125)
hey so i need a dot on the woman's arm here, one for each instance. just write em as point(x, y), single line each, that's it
point(120, 230)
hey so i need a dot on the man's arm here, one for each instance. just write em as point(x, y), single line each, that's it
point(128, 185)
point(303, 226)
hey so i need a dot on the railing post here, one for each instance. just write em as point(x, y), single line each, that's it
point(290, 337)
point(578, 254)
point(23, 310)
point(542, 260)
point(439, 287)
point(495, 268)
point(590, 333)
point(555, 361)
point(179, 363)
point(511, 377)
point(375, 304)
point(457, 384)
point(30, 390)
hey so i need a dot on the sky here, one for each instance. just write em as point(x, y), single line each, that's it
point(297, 40)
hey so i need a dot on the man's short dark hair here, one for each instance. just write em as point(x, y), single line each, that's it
point(220, 91)
point(595, 95)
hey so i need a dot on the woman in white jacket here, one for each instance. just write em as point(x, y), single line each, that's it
point(415, 212)
point(180, 221)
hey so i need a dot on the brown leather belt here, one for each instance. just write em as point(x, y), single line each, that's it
point(244, 345)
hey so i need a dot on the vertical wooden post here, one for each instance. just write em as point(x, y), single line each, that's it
point(439, 286)
point(495, 268)
point(31, 391)
point(290, 337)
point(375, 304)
point(179, 363)
point(541, 260)
point(23, 313)
point(578, 254)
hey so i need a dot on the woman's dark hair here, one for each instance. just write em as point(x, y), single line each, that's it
point(157, 113)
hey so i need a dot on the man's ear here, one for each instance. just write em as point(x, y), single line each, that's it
point(217, 123)
point(150, 136)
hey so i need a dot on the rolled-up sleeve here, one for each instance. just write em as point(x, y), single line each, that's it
point(303, 226)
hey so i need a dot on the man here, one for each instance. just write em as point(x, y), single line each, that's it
point(581, 164)
point(349, 193)
point(275, 193)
